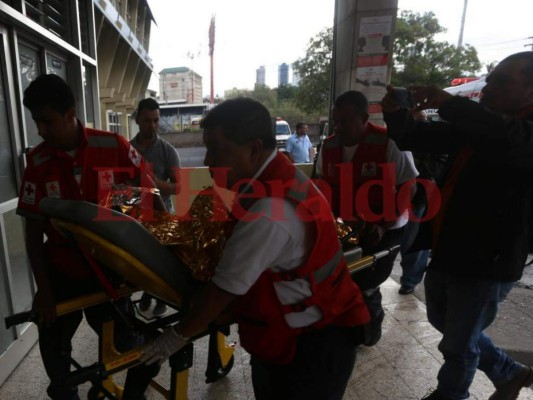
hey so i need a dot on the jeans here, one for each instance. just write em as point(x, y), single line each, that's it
point(462, 308)
point(320, 369)
point(413, 263)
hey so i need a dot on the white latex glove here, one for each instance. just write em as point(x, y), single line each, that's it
point(162, 347)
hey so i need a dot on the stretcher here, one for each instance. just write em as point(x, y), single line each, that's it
point(123, 245)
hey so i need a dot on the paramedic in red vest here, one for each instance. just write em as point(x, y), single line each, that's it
point(299, 314)
point(76, 163)
point(482, 234)
point(357, 153)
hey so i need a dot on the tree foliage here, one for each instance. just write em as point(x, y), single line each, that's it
point(419, 59)
point(314, 70)
point(279, 101)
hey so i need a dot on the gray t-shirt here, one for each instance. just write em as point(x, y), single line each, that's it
point(165, 162)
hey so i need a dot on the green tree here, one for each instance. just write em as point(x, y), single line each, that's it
point(286, 93)
point(233, 93)
point(314, 70)
point(261, 93)
point(419, 59)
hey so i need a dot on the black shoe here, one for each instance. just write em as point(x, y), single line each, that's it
point(145, 302)
point(511, 389)
point(406, 290)
point(435, 395)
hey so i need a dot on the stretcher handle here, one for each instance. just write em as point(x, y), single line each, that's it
point(20, 318)
point(67, 306)
point(370, 260)
point(81, 375)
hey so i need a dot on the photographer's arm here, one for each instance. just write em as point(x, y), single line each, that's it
point(497, 138)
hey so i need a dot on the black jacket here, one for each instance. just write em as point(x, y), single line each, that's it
point(488, 224)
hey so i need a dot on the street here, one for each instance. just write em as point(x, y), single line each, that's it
point(191, 156)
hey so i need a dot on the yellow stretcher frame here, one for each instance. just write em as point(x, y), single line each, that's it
point(138, 275)
point(120, 261)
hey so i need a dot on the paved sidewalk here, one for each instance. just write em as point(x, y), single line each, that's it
point(402, 366)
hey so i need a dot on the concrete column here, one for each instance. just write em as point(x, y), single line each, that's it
point(362, 48)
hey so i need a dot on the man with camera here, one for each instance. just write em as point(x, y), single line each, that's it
point(484, 228)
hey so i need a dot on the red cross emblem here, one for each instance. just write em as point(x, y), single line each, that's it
point(30, 189)
point(28, 194)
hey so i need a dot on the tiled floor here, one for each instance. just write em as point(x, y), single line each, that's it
point(402, 366)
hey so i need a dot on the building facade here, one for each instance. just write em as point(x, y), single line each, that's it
point(283, 74)
point(260, 76)
point(179, 85)
point(100, 48)
point(122, 33)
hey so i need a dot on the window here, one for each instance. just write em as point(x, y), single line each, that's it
point(114, 121)
point(85, 7)
point(56, 66)
point(88, 78)
point(29, 68)
point(52, 14)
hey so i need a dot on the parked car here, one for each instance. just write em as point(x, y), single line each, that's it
point(283, 132)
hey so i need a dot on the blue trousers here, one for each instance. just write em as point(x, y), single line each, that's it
point(462, 308)
point(413, 263)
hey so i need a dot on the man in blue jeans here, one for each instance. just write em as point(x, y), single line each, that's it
point(483, 231)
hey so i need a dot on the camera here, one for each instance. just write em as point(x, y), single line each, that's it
point(404, 97)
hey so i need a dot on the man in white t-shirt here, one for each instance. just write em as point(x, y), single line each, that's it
point(282, 269)
point(365, 173)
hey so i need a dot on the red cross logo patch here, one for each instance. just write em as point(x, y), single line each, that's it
point(52, 189)
point(28, 194)
point(369, 169)
point(134, 156)
point(106, 180)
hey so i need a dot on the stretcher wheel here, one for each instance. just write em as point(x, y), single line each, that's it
point(215, 374)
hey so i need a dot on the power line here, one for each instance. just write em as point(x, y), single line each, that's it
point(505, 42)
point(531, 44)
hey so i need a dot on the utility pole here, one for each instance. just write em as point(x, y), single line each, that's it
point(211, 51)
point(460, 41)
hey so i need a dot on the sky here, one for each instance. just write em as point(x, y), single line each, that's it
point(251, 33)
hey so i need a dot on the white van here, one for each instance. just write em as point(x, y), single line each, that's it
point(283, 132)
point(472, 89)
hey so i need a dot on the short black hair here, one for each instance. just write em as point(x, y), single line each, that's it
point(146, 104)
point(300, 125)
point(49, 90)
point(527, 57)
point(353, 98)
point(242, 120)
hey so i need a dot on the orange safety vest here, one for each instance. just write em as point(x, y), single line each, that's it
point(370, 154)
point(263, 329)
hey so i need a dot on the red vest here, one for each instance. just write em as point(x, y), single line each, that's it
point(102, 159)
point(365, 165)
point(263, 329)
